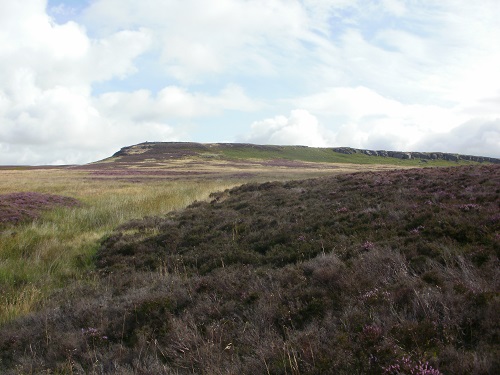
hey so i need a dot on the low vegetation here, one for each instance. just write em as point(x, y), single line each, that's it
point(43, 245)
point(387, 272)
point(48, 240)
point(157, 152)
point(16, 208)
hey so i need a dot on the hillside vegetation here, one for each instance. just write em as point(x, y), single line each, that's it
point(47, 240)
point(387, 272)
point(152, 154)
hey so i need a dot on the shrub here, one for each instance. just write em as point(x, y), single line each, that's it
point(278, 278)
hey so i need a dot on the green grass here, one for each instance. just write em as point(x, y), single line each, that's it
point(40, 256)
point(325, 155)
point(364, 273)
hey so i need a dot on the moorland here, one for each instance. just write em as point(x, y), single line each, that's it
point(211, 259)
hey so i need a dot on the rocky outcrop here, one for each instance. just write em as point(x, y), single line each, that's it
point(417, 155)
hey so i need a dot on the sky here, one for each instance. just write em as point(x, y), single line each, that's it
point(79, 79)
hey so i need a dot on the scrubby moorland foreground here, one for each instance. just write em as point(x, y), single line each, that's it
point(392, 272)
point(47, 241)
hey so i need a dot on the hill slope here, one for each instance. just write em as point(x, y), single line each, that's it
point(155, 153)
point(385, 273)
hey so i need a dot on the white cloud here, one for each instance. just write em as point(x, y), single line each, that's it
point(300, 128)
point(478, 136)
point(61, 125)
point(47, 111)
point(361, 104)
point(63, 54)
point(113, 56)
point(396, 7)
point(46, 73)
point(429, 53)
point(360, 117)
point(380, 74)
point(195, 39)
point(173, 102)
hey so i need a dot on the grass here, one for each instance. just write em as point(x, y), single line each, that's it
point(386, 272)
point(264, 240)
point(38, 256)
point(324, 155)
point(155, 152)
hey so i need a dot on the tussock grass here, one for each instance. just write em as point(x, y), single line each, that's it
point(39, 256)
point(393, 272)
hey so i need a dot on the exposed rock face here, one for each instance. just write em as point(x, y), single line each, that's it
point(417, 155)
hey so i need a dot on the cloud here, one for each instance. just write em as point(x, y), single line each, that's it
point(362, 105)
point(194, 39)
point(480, 137)
point(93, 76)
point(173, 102)
point(475, 137)
point(48, 111)
point(46, 75)
point(361, 117)
point(300, 128)
point(63, 126)
point(63, 54)
point(426, 53)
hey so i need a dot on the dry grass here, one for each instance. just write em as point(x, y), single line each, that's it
point(40, 256)
point(380, 273)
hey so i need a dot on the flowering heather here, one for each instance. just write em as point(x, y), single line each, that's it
point(279, 278)
point(26, 206)
point(375, 295)
point(469, 206)
point(143, 172)
point(417, 230)
point(93, 332)
point(367, 245)
point(406, 366)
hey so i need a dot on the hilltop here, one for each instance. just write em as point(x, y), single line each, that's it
point(156, 153)
point(386, 272)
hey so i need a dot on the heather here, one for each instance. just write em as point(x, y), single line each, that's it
point(387, 272)
point(157, 153)
point(47, 240)
point(47, 245)
point(16, 208)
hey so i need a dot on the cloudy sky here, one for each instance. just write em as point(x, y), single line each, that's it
point(80, 79)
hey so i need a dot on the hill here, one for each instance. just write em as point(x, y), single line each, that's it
point(155, 153)
point(387, 272)
point(46, 241)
